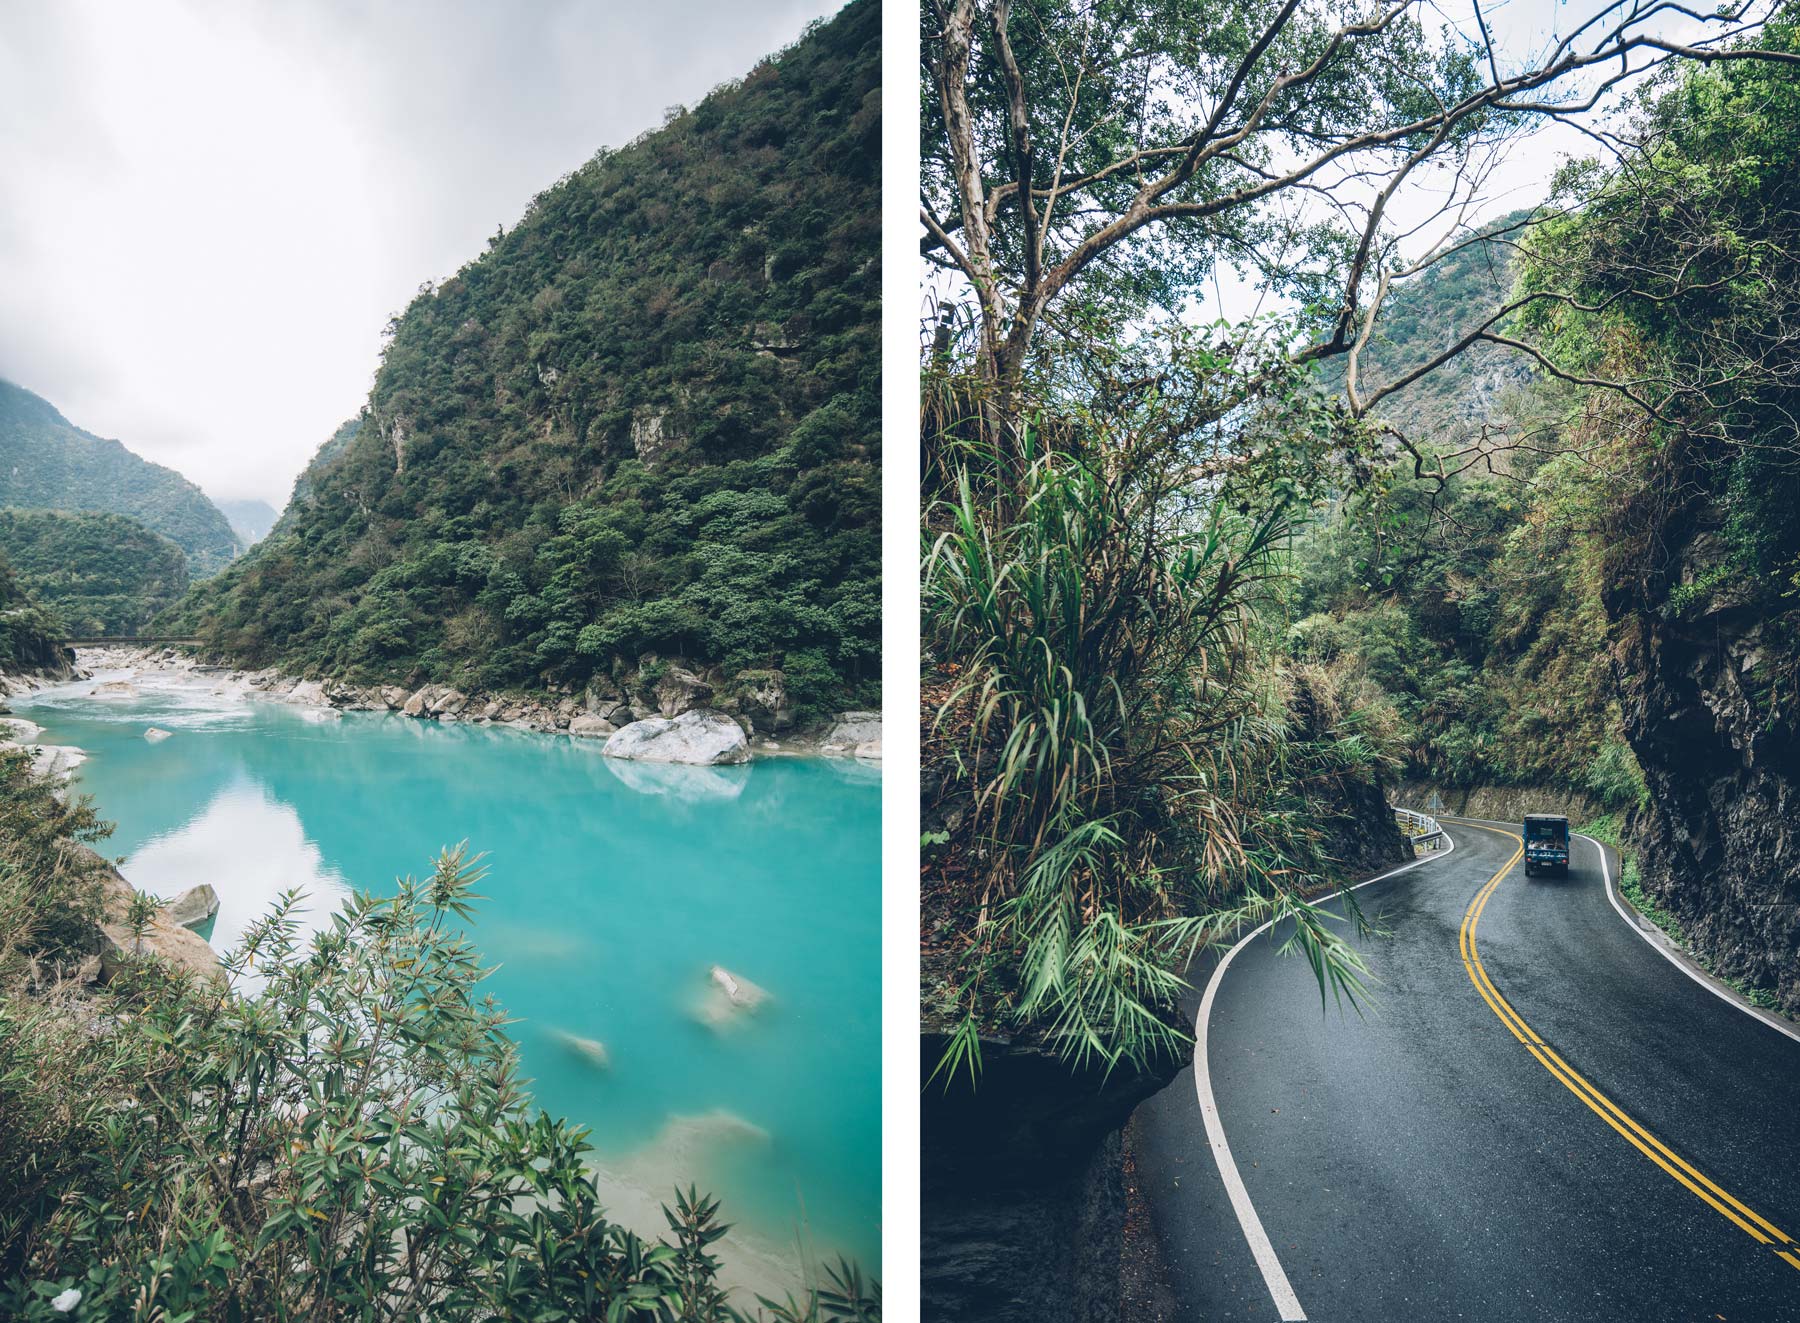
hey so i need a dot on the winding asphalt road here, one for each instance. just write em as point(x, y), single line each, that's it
point(1555, 1122)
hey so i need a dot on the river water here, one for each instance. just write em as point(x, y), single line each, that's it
point(613, 888)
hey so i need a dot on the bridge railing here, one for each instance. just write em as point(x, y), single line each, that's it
point(126, 641)
point(1421, 829)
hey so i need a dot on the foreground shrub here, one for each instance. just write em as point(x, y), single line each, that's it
point(353, 1140)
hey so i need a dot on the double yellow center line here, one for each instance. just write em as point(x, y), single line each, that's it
point(1735, 1210)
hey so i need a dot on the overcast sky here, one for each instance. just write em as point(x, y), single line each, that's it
point(210, 208)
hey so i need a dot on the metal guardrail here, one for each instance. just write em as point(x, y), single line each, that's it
point(1421, 828)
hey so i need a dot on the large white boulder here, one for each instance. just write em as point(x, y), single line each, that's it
point(702, 738)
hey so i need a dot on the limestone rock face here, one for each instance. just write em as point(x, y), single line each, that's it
point(701, 737)
point(763, 697)
point(307, 691)
point(194, 906)
point(680, 690)
point(851, 732)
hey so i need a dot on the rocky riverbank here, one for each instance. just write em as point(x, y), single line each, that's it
point(680, 714)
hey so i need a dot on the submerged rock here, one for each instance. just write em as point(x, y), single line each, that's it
point(702, 738)
point(729, 997)
point(591, 1050)
point(116, 689)
point(156, 734)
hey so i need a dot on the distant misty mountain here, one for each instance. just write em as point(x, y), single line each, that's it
point(250, 520)
point(48, 463)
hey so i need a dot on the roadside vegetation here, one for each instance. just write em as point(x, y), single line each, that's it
point(336, 1129)
point(1463, 484)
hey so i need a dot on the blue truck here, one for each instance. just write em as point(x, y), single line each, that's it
point(1546, 844)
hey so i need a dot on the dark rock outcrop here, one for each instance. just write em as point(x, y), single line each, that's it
point(1720, 840)
point(1022, 1198)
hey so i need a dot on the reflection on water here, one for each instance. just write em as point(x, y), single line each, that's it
point(210, 847)
point(614, 889)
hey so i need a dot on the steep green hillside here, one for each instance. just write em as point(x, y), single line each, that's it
point(102, 573)
point(250, 520)
point(29, 634)
point(646, 419)
point(48, 463)
point(1426, 315)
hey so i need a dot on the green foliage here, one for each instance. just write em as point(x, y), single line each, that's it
point(1129, 791)
point(646, 419)
point(51, 884)
point(48, 463)
point(349, 1140)
point(101, 573)
point(30, 634)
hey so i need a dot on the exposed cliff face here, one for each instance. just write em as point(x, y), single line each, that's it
point(1022, 1197)
point(1721, 838)
point(1498, 803)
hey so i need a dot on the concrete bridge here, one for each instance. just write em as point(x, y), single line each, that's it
point(127, 641)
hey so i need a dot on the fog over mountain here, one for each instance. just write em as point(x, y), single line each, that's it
point(208, 212)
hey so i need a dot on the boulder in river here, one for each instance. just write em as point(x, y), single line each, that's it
point(156, 734)
point(114, 689)
point(591, 727)
point(194, 906)
point(701, 737)
point(852, 732)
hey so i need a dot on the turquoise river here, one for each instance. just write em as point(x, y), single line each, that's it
point(614, 888)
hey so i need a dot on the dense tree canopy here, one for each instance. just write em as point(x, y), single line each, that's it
point(647, 419)
point(48, 463)
point(101, 573)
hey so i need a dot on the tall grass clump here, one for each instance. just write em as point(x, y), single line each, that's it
point(1111, 729)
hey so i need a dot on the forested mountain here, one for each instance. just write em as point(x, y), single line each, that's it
point(48, 463)
point(101, 573)
point(645, 420)
point(250, 520)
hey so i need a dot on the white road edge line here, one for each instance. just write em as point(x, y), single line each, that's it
point(1286, 1302)
point(1668, 954)
point(1664, 948)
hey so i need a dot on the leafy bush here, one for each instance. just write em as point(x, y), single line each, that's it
point(351, 1140)
point(1107, 721)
